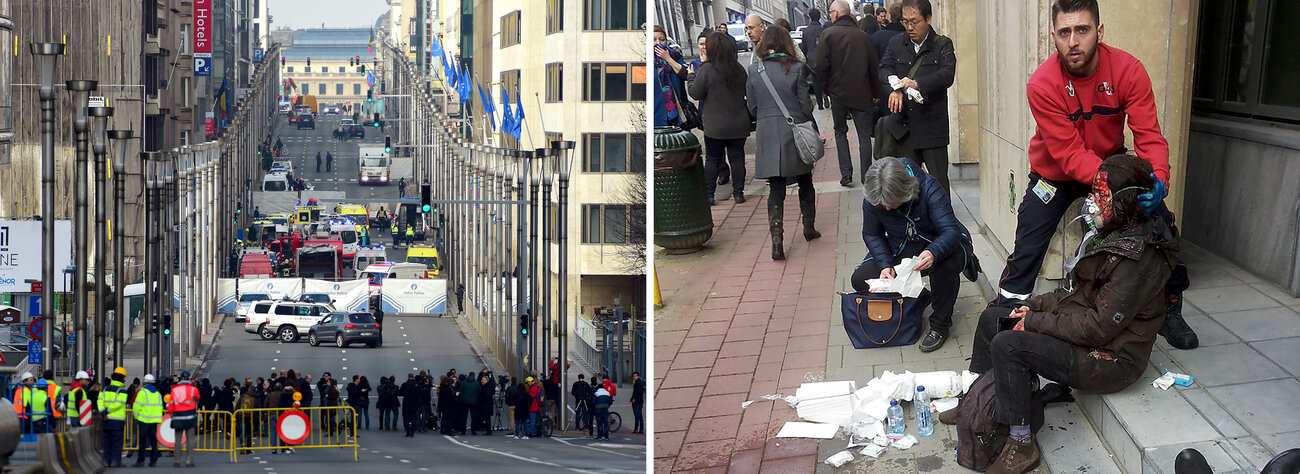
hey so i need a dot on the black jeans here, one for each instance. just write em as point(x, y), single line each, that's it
point(734, 149)
point(935, 160)
point(1036, 223)
point(945, 281)
point(776, 187)
point(1017, 358)
point(863, 122)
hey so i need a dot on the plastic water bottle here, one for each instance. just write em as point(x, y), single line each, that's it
point(896, 423)
point(921, 401)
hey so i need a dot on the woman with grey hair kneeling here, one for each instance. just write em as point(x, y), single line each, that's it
point(906, 213)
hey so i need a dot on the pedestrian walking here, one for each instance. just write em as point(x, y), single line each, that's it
point(849, 70)
point(184, 408)
point(112, 407)
point(401, 187)
point(460, 297)
point(446, 397)
point(719, 86)
point(318, 162)
point(638, 402)
point(76, 394)
point(485, 402)
point(811, 38)
point(329, 161)
point(776, 158)
point(469, 399)
point(536, 397)
point(923, 60)
point(1069, 144)
point(522, 415)
point(410, 393)
point(305, 388)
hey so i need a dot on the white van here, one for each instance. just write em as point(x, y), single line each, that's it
point(275, 182)
point(377, 272)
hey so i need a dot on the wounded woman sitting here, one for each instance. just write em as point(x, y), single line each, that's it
point(1095, 335)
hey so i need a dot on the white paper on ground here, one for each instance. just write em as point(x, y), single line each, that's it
point(791, 400)
point(861, 433)
point(943, 404)
point(873, 451)
point(824, 389)
point(798, 429)
point(877, 408)
point(838, 459)
point(940, 384)
point(1163, 382)
point(904, 442)
point(896, 386)
point(771, 397)
point(908, 281)
point(837, 409)
point(746, 404)
point(967, 378)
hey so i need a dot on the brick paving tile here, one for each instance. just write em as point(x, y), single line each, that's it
point(691, 360)
point(668, 443)
point(704, 454)
point(735, 365)
point(719, 405)
point(748, 460)
point(739, 349)
point(676, 419)
point(720, 384)
point(792, 465)
point(685, 377)
point(713, 428)
point(678, 397)
point(702, 343)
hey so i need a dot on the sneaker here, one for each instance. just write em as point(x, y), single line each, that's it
point(1017, 457)
point(948, 417)
point(846, 182)
point(525, 437)
point(1175, 330)
point(933, 341)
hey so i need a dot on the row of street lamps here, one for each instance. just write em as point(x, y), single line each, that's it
point(484, 191)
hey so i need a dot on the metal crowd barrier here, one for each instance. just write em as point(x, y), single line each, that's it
point(331, 427)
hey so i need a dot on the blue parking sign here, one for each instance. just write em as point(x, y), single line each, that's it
point(34, 352)
point(202, 65)
point(257, 55)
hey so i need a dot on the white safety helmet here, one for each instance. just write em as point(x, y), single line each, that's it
point(28, 375)
point(82, 375)
point(148, 378)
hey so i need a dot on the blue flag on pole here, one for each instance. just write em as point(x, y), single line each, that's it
point(507, 118)
point(519, 115)
point(435, 48)
point(487, 106)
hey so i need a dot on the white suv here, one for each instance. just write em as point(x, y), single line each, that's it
point(284, 320)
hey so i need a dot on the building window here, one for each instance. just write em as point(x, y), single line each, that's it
point(186, 90)
point(613, 152)
point(555, 82)
point(613, 82)
point(306, 89)
point(321, 88)
point(609, 223)
point(306, 69)
point(290, 68)
point(510, 35)
point(338, 89)
point(1243, 62)
point(257, 8)
point(356, 89)
point(613, 14)
point(342, 69)
point(554, 16)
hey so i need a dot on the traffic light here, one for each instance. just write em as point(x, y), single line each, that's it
point(523, 324)
point(376, 119)
point(370, 95)
point(388, 144)
point(308, 62)
point(282, 60)
point(426, 198)
point(167, 325)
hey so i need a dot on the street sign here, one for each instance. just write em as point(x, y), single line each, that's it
point(34, 306)
point(97, 101)
point(202, 64)
point(10, 315)
point(72, 337)
point(37, 287)
point(34, 352)
point(293, 427)
point(167, 434)
point(257, 55)
point(34, 328)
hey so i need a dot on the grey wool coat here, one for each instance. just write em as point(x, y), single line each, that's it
point(775, 154)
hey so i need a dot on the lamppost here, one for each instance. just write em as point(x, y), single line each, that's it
point(563, 151)
point(100, 117)
point(45, 54)
point(120, 139)
point(148, 174)
point(6, 99)
point(81, 126)
point(548, 304)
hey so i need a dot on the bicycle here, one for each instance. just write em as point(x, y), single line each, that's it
point(615, 421)
point(545, 426)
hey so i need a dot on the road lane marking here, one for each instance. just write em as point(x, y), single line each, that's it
point(598, 449)
point(521, 458)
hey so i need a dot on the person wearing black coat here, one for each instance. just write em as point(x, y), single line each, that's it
point(485, 390)
point(522, 400)
point(304, 387)
point(446, 397)
point(906, 214)
point(426, 401)
point(719, 86)
point(410, 393)
point(925, 124)
point(811, 35)
point(846, 63)
point(881, 40)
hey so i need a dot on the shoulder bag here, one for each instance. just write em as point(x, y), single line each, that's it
point(806, 138)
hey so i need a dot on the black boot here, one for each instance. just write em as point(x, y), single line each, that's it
point(1191, 461)
point(775, 224)
point(808, 207)
point(1175, 330)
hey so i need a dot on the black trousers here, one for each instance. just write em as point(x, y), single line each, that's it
point(409, 419)
point(1036, 223)
point(716, 163)
point(1017, 358)
point(945, 281)
point(935, 160)
point(472, 415)
point(776, 187)
point(863, 122)
point(146, 441)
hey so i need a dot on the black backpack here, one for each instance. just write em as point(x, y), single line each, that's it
point(980, 437)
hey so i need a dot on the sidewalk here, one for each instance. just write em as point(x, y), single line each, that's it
point(737, 325)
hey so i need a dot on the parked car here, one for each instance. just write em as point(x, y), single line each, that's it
point(354, 131)
point(246, 301)
point(284, 320)
point(345, 329)
point(315, 298)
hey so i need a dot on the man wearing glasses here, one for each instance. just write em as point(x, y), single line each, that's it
point(1081, 98)
point(922, 133)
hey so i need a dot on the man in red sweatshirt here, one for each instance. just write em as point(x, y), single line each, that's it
point(1080, 98)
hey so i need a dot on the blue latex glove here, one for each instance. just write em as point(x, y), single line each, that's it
point(1151, 200)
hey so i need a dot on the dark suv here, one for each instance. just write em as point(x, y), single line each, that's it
point(345, 329)
point(354, 131)
point(306, 121)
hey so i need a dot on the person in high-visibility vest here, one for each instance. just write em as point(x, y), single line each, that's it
point(184, 405)
point(396, 234)
point(54, 392)
point(39, 406)
point(410, 235)
point(148, 412)
point(112, 406)
point(22, 393)
point(77, 393)
point(361, 235)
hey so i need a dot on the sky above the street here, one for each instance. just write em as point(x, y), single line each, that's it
point(299, 14)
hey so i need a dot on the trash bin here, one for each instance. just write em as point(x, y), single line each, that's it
point(683, 221)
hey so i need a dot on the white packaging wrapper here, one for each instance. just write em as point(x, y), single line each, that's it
point(896, 386)
point(873, 451)
point(943, 404)
point(746, 404)
point(908, 281)
point(878, 285)
point(967, 378)
point(1163, 382)
point(904, 442)
point(881, 441)
point(838, 459)
point(941, 384)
